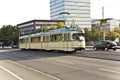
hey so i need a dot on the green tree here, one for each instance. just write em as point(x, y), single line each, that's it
point(111, 35)
point(44, 28)
point(93, 34)
point(61, 24)
point(88, 34)
point(53, 27)
point(9, 34)
point(96, 34)
point(117, 29)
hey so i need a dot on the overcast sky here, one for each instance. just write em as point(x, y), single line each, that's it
point(16, 11)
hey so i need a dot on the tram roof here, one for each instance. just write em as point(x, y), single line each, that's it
point(56, 31)
point(24, 36)
point(63, 30)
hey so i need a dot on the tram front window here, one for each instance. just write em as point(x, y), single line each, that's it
point(81, 38)
point(78, 36)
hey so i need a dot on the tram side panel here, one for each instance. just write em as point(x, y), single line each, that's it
point(35, 42)
point(35, 45)
point(21, 43)
point(57, 45)
point(55, 42)
point(66, 41)
point(24, 43)
point(78, 45)
point(27, 43)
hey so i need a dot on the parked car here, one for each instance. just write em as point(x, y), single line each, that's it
point(105, 45)
point(15, 46)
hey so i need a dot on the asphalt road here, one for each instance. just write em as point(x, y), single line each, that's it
point(41, 65)
point(100, 54)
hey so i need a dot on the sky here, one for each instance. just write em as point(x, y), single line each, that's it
point(111, 8)
point(13, 12)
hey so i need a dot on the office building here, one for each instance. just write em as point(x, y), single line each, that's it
point(36, 26)
point(72, 11)
point(108, 24)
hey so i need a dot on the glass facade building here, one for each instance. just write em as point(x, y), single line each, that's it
point(79, 12)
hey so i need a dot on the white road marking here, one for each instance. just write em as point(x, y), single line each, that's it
point(109, 70)
point(36, 70)
point(11, 73)
point(63, 61)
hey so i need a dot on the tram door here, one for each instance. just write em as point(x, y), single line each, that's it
point(66, 41)
point(47, 39)
point(44, 44)
point(27, 44)
point(41, 42)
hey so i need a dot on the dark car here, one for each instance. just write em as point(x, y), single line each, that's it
point(105, 45)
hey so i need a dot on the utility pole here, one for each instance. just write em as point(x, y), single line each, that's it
point(102, 12)
point(104, 25)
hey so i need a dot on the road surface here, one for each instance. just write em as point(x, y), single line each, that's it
point(41, 65)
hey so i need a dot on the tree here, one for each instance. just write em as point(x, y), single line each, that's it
point(115, 33)
point(61, 24)
point(44, 28)
point(53, 27)
point(92, 35)
point(96, 34)
point(9, 34)
point(117, 29)
point(88, 34)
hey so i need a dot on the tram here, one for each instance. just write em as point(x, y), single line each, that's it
point(68, 39)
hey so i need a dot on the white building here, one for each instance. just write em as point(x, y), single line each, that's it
point(36, 26)
point(110, 23)
point(79, 12)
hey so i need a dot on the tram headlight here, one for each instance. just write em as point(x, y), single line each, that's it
point(79, 45)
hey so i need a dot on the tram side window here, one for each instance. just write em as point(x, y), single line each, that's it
point(66, 37)
point(52, 37)
point(35, 39)
point(22, 41)
point(45, 38)
point(56, 37)
point(26, 40)
point(59, 37)
point(40, 38)
point(32, 39)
